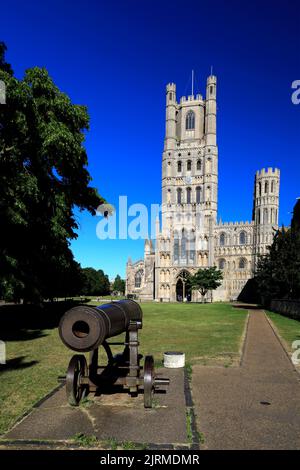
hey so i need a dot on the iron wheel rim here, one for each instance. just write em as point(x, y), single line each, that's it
point(148, 381)
point(74, 388)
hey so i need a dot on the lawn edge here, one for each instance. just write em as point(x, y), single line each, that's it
point(243, 340)
point(68, 444)
point(30, 410)
point(282, 341)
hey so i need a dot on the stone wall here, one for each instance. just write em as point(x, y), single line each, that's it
point(288, 308)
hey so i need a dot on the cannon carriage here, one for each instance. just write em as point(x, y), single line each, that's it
point(85, 329)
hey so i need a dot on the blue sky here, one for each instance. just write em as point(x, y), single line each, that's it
point(117, 56)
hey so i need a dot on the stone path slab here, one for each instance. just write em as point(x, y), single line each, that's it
point(116, 416)
point(255, 406)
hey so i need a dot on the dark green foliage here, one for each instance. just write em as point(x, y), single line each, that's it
point(278, 272)
point(95, 282)
point(4, 65)
point(296, 217)
point(206, 279)
point(43, 176)
point(119, 284)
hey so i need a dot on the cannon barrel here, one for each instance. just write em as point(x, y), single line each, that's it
point(84, 328)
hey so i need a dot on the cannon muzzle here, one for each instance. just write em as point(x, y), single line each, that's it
point(84, 328)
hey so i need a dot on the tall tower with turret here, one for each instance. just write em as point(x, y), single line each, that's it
point(189, 179)
point(190, 157)
point(189, 237)
point(265, 208)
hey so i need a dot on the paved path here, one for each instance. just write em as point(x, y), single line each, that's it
point(116, 416)
point(255, 406)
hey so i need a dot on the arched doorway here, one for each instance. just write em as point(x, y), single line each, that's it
point(183, 287)
point(179, 291)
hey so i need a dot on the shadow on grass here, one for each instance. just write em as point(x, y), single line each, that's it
point(16, 363)
point(21, 335)
point(246, 306)
point(27, 322)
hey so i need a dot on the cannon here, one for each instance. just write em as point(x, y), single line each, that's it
point(84, 329)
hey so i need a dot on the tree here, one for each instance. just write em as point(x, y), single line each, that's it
point(206, 279)
point(3, 64)
point(119, 284)
point(95, 282)
point(104, 284)
point(278, 272)
point(43, 176)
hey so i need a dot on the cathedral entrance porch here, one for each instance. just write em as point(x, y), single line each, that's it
point(183, 288)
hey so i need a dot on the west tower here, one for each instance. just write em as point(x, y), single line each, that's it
point(190, 157)
point(189, 236)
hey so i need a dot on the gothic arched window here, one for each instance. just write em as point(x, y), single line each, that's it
point(272, 187)
point(183, 245)
point(176, 247)
point(259, 188)
point(208, 193)
point(179, 166)
point(242, 263)
point(179, 195)
point(198, 165)
point(189, 165)
point(198, 194)
point(266, 187)
point(188, 195)
point(192, 246)
point(169, 196)
point(242, 238)
point(258, 216)
point(190, 121)
point(222, 239)
point(222, 263)
point(138, 278)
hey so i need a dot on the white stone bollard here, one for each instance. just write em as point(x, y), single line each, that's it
point(174, 359)
point(2, 352)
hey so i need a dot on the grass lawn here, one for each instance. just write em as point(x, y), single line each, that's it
point(202, 332)
point(287, 328)
point(36, 356)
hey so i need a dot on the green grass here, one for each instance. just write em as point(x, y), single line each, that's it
point(189, 371)
point(288, 328)
point(128, 445)
point(189, 431)
point(111, 444)
point(31, 374)
point(200, 331)
point(85, 441)
point(35, 358)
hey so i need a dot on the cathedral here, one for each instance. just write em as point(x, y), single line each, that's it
point(190, 236)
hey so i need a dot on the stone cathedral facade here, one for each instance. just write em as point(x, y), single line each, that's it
point(191, 236)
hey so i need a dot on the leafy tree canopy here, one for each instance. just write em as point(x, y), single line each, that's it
point(95, 282)
point(206, 279)
point(278, 272)
point(119, 284)
point(43, 176)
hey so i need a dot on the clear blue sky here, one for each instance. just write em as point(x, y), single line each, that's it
point(117, 56)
